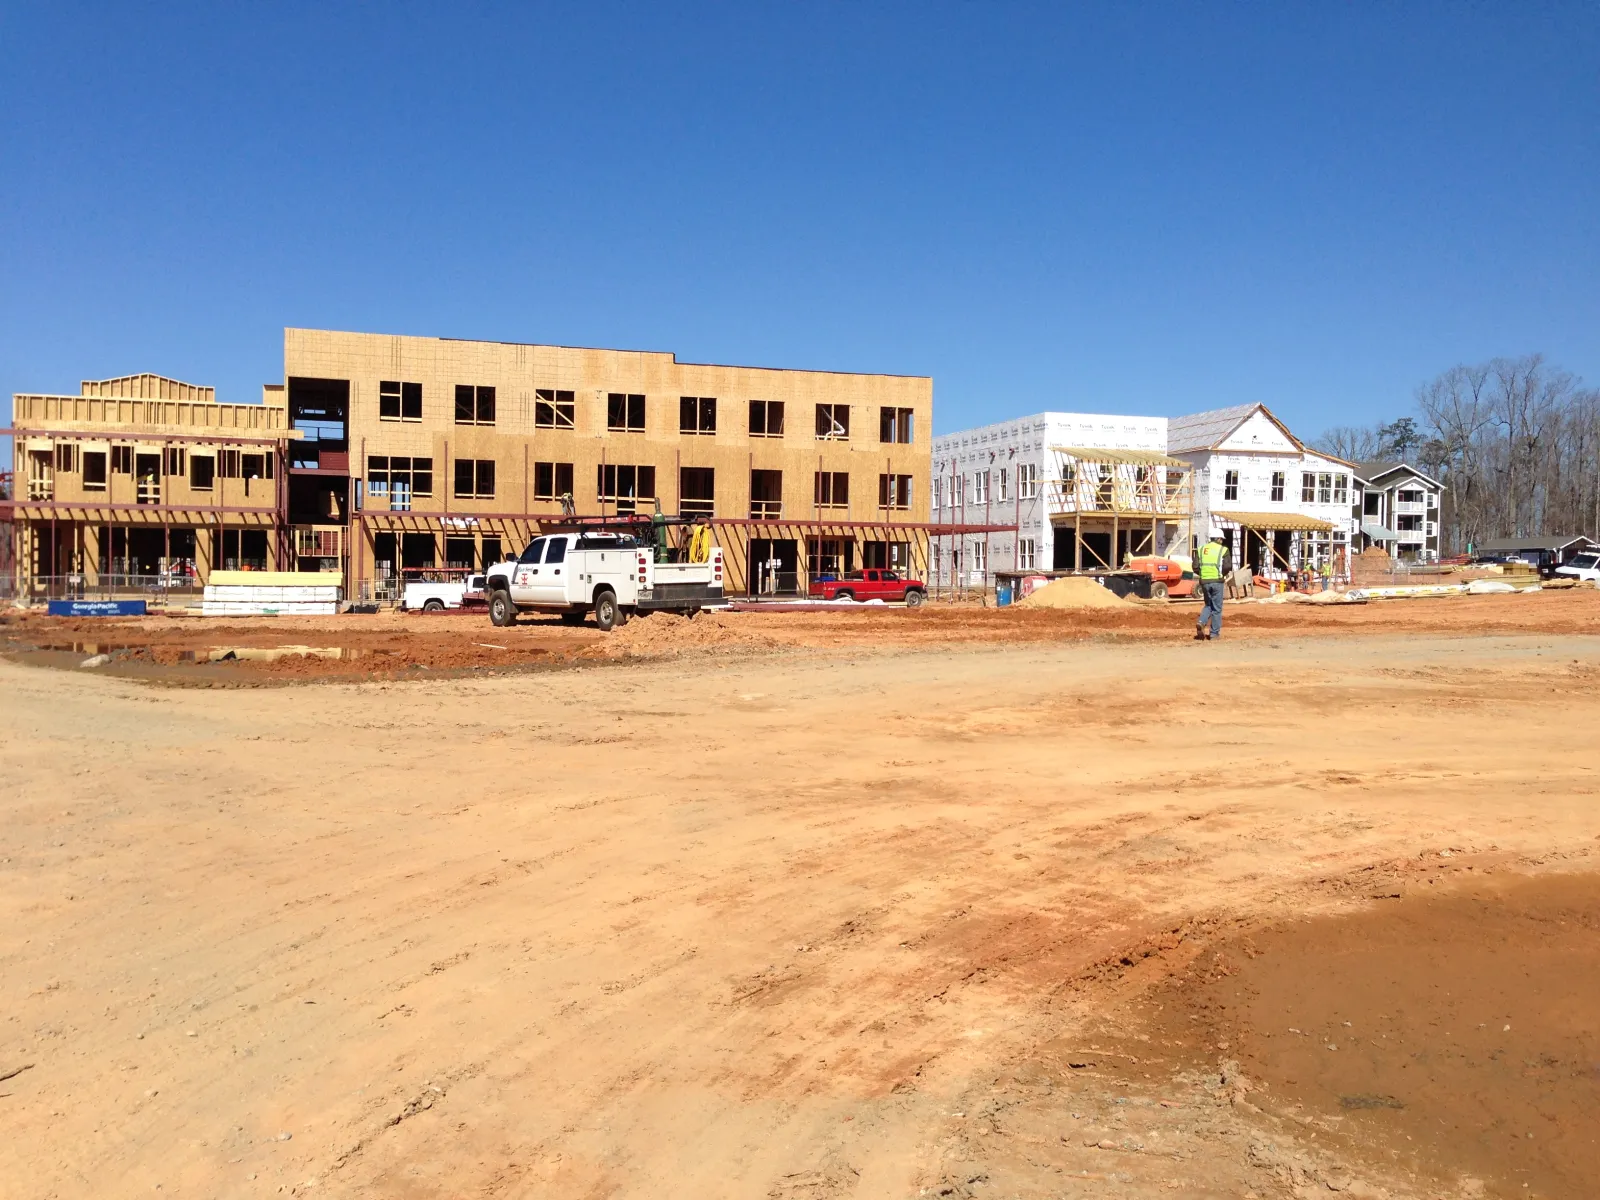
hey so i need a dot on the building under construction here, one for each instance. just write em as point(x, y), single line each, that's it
point(378, 454)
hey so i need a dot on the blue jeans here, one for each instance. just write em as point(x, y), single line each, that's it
point(1211, 590)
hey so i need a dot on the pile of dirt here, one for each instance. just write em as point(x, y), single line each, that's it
point(1073, 592)
point(666, 633)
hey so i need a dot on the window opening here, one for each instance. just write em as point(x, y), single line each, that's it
point(399, 401)
point(832, 489)
point(625, 412)
point(697, 414)
point(553, 409)
point(833, 422)
point(766, 418)
point(697, 492)
point(895, 425)
point(551, 480)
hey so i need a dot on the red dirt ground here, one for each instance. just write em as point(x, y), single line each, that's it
point(397, 645)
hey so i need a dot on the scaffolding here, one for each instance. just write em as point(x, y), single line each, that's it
point(1118, 504)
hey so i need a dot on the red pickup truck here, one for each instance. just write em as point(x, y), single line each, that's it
point(871, 584)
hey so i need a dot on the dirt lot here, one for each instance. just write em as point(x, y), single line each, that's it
point(394, 645)
point(860, 904)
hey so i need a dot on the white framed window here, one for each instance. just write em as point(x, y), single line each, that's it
point(980, 487)
point(1025, 554)
point(938, 492)
point(979, 558)
point(1230, 485)
point(1003, 485)
point(1341, 489)
point(1027, 481)
point(1277, 487)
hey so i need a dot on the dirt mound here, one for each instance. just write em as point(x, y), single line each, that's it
point(664, 633)
point(1073, 592)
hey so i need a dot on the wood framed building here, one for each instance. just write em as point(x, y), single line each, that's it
point(422, 451)
point(1109, 505)
point(144, 482)
point(378, 453)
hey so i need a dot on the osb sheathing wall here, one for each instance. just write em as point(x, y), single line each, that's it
point(514, 443)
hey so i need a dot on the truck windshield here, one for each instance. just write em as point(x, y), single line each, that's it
point(531, 554)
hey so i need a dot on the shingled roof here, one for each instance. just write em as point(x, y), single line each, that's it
point(1208, 430)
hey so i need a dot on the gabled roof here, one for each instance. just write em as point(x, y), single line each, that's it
point(148, 387)
point(1371, 472)
point(1208, 430)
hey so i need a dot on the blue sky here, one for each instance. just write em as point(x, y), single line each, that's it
point(1125, 208)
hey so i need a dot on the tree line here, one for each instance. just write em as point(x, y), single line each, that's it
point(1515, 441)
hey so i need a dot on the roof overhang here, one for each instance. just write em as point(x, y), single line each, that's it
point(1297, 522)
point(1119, 458)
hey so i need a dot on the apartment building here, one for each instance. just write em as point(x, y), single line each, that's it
point(379, 453)
point(1397, 509)
point(1091, 490)
point(1282, 506)
point(145, 480)
point(1017, 473)
point(421, 451)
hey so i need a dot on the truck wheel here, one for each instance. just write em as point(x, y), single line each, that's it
point(501, 611)
point(914, 598)
point(844, 594)
point(572, 618)
point(1158, 591)
point(433, 606)
point(605, 611)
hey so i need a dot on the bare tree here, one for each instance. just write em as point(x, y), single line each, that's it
point(1514, 440)
point(1353, 443)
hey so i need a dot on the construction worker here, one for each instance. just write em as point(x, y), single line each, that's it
point(1213, 564)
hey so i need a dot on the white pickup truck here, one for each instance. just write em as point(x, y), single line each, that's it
point(609, 574)
point(436, 595)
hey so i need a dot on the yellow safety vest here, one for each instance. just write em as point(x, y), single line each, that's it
point(1211, 560)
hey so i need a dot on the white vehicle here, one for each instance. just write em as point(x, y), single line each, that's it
point(1582, 566)
point(611, 575)
point(436, 595)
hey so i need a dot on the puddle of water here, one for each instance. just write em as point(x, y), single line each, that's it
point(217, 654)
point(274, 653)
point(87, 647)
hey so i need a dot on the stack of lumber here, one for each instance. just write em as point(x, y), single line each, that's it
point(272, 593)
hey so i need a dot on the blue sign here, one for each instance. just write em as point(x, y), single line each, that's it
point(97, 608)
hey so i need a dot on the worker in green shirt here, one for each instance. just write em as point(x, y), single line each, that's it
point(1213, 564)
